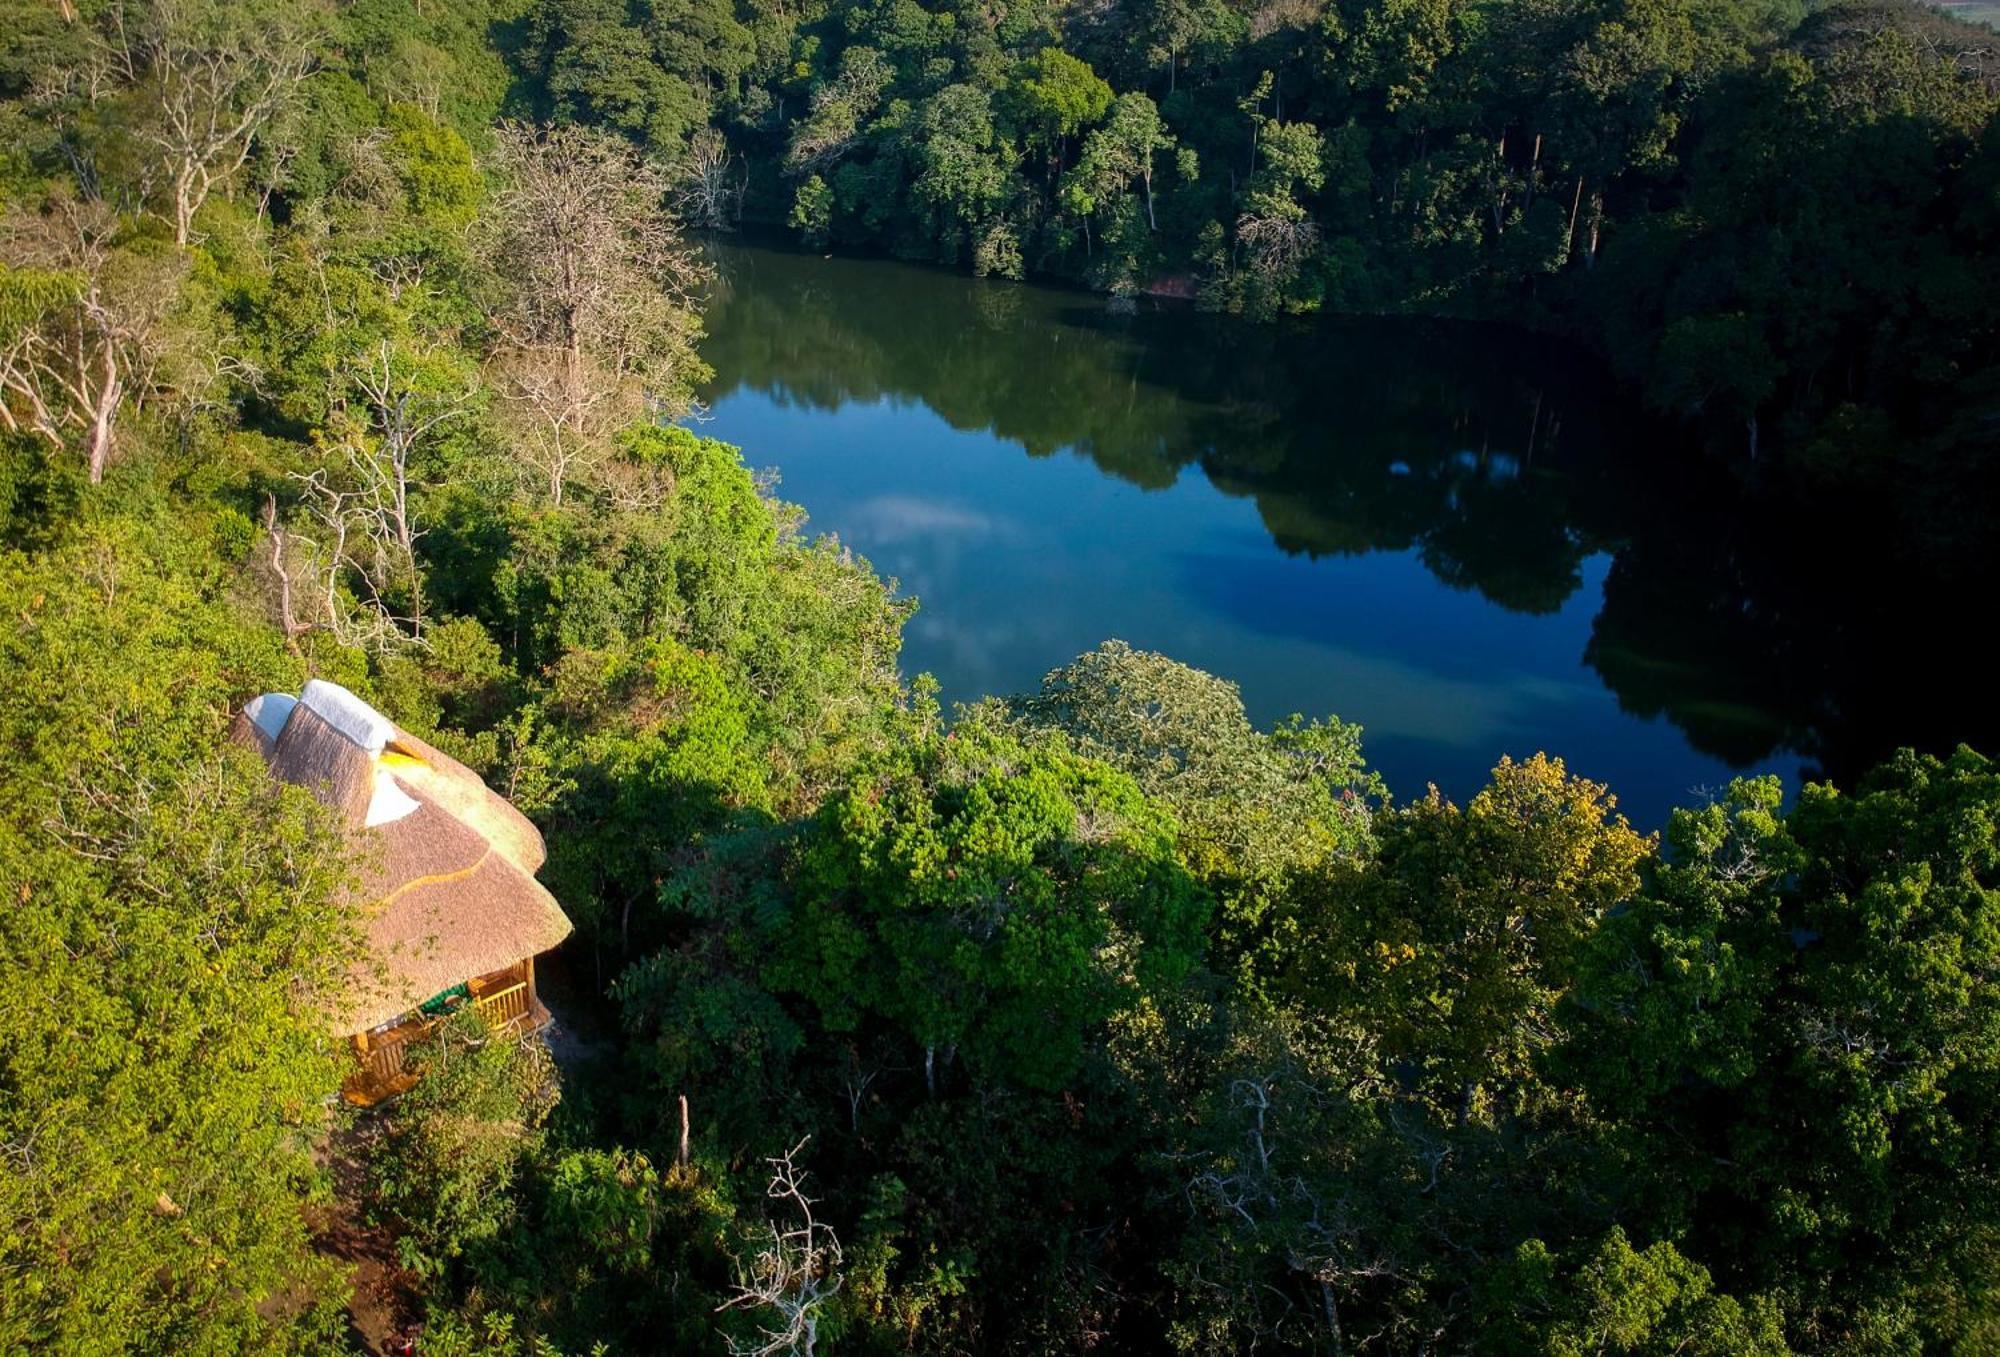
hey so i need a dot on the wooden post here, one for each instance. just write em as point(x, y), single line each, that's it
point(1569, 242)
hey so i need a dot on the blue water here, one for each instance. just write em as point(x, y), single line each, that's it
point(1021, 560)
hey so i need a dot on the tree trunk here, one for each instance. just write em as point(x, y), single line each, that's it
point(1332, 1317)
point(100, 424)
point(399, 461)
point(1576, 204)
point(183, 207)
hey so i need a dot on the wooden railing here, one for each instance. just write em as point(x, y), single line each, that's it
point(383, 1072)
point(508, 1010)
point(504, 1008)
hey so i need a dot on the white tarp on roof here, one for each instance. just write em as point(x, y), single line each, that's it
point(355, 721)
point(390, 801)
point(348, 714)
point(270, 712)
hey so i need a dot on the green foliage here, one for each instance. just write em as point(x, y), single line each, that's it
point(1714, 362)
point(963, 163)
point(1803, 998)
point(700, 665)
point(1058, 95)
point(495, 1333)
point(444, 1163)
point(812, 211)
point(990, 898)
point(170, 932)
point(1252, 805)
point(1112, 1022)
point(440, 183)
point(1459, 938)
point(1618, 1299)
point(1117, 153)
point(610, 1200)
point(1732, 200)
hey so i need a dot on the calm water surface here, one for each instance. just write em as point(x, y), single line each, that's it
point(1455, 536)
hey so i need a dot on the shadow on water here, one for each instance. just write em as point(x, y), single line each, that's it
point(1503, 463)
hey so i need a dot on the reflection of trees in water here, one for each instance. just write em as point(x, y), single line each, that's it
point(1379, 436)
point(1513, 542)
point(1765, 631)
point(1500, 460)
point(997, 305)
point(1676, 637)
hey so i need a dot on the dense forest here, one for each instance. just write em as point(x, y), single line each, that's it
point(352, 341)
point(1778, 222)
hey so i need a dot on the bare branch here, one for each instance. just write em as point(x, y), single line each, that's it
point(215, 74)
point(792, 1275)
point(599, 319)
point(83, 326)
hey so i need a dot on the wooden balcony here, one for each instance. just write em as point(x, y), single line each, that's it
point(506, 999)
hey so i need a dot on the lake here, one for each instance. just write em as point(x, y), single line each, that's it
point(1461, 537)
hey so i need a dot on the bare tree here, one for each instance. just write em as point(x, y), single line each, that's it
point(366, 531)
point(346, 548)
point(84, 326)
point(561, 412)
point(792, 1274)
point(402, 406)
point(412, 71)
point(210, 73)
point(599, 320)
point(282, 570)
point(1278, 242)
point(703, 192)
point(1284, 1174)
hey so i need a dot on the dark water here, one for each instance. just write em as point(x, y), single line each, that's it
point(1462, 538)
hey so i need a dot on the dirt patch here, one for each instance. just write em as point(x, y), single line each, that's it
point(382, 1310)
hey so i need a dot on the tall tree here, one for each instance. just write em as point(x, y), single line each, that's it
point(86, 326)
point(598, 296)
point(202, 78)
point(172, 931)
point(1123, 150)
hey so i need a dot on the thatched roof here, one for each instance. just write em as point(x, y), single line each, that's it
point(262, 721)
point(448, 890)
point(443, 905)
point(431, 775)
point(313, 754)
point(250, 735)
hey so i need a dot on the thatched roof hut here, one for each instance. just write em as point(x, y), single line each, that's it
point(448, 889)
